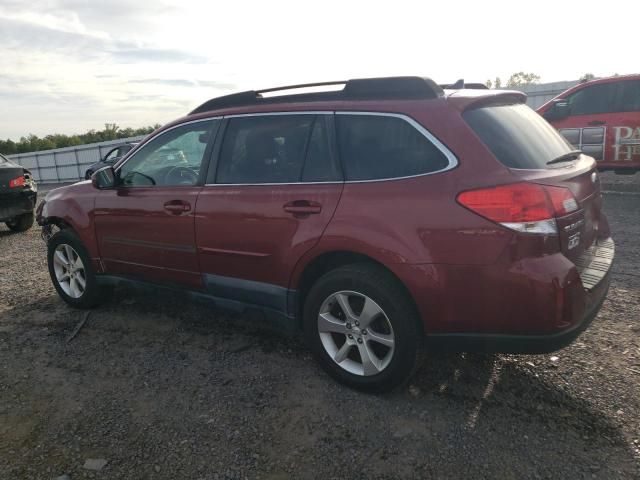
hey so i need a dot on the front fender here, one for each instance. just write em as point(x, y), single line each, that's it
point(71, 206)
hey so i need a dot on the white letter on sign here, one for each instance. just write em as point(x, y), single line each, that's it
point(627, 134)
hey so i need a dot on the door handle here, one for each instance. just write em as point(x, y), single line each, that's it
point(595, 123)
point(302, 207)
point(177, 207)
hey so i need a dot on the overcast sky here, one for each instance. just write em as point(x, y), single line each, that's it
point(72, 65)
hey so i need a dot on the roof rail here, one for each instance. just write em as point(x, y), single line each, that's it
point(382, 88)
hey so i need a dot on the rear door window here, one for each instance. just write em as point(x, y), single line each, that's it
point(277, 149)
point(320, 164)
point(375, 147)
point(630, 97)
point(517, 136)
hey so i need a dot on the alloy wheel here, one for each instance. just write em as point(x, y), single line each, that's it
point(356, 333)
point(69, 270)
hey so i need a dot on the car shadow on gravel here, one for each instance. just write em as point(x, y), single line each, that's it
point(470, 415)
point(510, 396)
point(484, 381)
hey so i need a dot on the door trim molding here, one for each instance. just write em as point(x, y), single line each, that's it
point(149, 244)
point(249, 291)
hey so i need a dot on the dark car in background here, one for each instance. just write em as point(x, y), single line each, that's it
point(369, 220)
point(110, 158)
point(18, 192)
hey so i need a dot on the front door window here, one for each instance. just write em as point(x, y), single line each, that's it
point(173, 158)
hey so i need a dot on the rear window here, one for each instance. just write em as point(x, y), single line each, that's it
point(517, 136)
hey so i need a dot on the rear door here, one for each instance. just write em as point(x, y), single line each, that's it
point(275, 189)
point(145, 226)
point(625, 131)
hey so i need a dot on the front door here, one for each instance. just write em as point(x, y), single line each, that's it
point(145, 226)
point(276, 189)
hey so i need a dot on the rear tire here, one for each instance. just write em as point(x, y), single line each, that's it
point(71, 271)
point(363, 327)
point(21, 223)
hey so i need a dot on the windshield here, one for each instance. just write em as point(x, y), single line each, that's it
point(517, 136)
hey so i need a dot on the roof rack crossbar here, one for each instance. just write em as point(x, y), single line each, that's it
point(301, 85)
point(384, 88)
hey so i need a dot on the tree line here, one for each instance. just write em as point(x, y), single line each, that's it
point(33, 143)
point(520, 79)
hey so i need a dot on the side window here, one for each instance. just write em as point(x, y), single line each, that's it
point(111, 155)
point(630, 101)
point(595, 99)
point(320, 164)
point(265, 149)
point(374, 147)
point(123, 150)
point(172, 158)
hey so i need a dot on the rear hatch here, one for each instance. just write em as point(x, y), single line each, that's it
point(577, 231)
point(534, 152)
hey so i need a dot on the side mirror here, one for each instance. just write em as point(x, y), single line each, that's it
point(559, 109)
point(104, 178)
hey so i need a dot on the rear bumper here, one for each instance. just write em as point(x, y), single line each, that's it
point(16, 203)
point(524, 344)
point(533, 305)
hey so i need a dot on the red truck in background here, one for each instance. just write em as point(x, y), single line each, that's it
point(601, 118)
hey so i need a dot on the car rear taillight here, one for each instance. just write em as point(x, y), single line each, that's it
point(524, 207)
point(562, 200)
point(18, 182)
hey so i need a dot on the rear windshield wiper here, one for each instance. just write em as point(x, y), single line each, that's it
point(572, 155)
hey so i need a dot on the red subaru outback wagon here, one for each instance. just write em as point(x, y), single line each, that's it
point(376, 219)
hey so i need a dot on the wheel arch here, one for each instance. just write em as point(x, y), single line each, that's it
point(59, 222)
point(314, 268)
point(66, 209)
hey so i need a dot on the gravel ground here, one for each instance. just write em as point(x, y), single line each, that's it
point(157, 388)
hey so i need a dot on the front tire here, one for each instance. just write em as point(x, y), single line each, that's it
point(71, 270)
point(363, 327)
point(21, 223)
